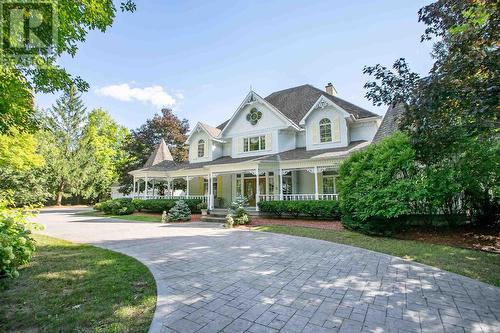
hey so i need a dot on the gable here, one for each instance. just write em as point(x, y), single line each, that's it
point(253, 115)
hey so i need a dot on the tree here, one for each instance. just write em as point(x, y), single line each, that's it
point(68, 157)
point(453, 112)
point(378, 184)
point(105, 138)
point(21, 168)
point(21, 76)
point(143, 140)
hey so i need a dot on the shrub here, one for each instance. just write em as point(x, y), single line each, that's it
point(229, 221)
point(378, 186)
point(16, 244)
point(138, 204)
point(160, 205)
point(121, 206)
point(237, 213)
point(180, 212)
point(98, 206)
point(318, 209)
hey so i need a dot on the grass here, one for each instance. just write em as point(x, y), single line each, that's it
point(479, 265)
point(136, 218)
point(70, 287)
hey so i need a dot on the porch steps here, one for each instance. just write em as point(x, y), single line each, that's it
point(210, 218)
point(215, 215)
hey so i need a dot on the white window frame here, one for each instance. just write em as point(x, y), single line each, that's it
point(261, 142)
point(201, 143)
point(327, 131)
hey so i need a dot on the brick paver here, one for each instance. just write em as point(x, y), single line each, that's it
point(215, 280)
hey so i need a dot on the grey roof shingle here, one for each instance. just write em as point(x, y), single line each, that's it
point(290, 155)
point(160, 154)
point(390, 123)
point(295, 102)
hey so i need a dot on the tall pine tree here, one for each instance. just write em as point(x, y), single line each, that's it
point(67, 156)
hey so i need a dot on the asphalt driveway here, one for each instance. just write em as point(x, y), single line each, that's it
point(215, 280)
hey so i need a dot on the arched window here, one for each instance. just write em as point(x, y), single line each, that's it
point(201, 148)
point(325, 130)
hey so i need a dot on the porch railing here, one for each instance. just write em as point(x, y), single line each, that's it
point(298, 197)
point(203, 198)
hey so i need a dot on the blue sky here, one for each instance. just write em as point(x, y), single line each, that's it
point(201, 57)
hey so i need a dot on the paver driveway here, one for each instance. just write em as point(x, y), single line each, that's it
point(213, 280)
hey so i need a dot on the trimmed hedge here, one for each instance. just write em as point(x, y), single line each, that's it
point(317, 209)
point(122, 206)
point(160, 205)
point(126, 206)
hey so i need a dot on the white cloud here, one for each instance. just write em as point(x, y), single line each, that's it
point(155, 95)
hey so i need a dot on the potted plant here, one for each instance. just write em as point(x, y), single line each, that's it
point(203, 207)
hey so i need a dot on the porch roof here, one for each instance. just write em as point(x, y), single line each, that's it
point(290, 155)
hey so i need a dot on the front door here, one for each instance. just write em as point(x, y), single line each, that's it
point(249, 189)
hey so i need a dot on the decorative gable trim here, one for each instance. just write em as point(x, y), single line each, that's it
point(252, 98)
point(322, 103)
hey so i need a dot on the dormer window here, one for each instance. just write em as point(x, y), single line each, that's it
point(325, 130)
point(201, 148)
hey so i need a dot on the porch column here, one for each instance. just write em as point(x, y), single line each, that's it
point(316, 194)
point(133, 187)
point(281, 184)
point(335, 186)
point(145, 186)
point(187, 186)
point(153, 188)
point(210, 191)
point(257, 190)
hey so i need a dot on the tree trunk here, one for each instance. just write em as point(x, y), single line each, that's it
point(60, 191)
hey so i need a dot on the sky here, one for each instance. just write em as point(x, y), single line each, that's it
point(201, 58)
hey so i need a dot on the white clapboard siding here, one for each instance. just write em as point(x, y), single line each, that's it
point(239, 145)
point(269, 141)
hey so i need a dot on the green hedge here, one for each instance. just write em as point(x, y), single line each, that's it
point(126, 206)
point(317, 209)
point(122, 206)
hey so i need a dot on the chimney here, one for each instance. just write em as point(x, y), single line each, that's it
point(330, 89)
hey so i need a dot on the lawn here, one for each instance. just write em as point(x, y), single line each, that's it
point(137, 217)
point(71, 287)
point(483, 266)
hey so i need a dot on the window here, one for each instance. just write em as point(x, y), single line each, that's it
point(271, 182)
point(254, 143)
point(287, 184)
point(329, 182)
point(201, 148)
point(325, 130)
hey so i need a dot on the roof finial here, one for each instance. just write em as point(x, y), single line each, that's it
point(251, 87)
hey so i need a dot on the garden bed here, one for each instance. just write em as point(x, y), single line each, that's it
point(484, 239)
point(318, 224)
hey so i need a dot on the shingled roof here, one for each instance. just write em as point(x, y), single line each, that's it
point(295, 102)
point(390, 123)
point(160, 154)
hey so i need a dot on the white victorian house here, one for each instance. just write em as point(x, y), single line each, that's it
point(286, 146)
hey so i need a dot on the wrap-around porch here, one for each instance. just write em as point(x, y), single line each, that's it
point(219, 185)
